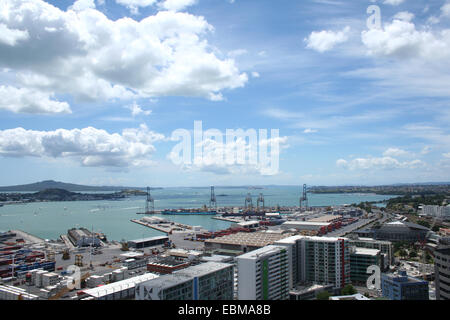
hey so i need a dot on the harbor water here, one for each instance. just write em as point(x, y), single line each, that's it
point(48, 220)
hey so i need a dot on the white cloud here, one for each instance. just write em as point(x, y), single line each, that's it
point(214, 157)
point(445, 10)
point(134, 5)
point(326, 40)
point(309, 130)
point(11, 36)
point(426, 150)
point(89, 146)
point(446, 155)
point(401, 39)
point(23, 100)
point(176, 5)
point(81, 5)
point(137, 110)
point(396, 152)
point(378, 163)
point(87, 55)
point(405, 16)
point(394, 2)
point(255, 74)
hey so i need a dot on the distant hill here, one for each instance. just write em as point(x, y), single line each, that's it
point(50, 184)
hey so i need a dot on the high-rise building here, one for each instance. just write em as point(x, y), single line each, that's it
point(318, 260)
point(384, 246)
point(442, 269)
point(206, 281)
point(263, 274)
point(400, 286)
point(360, 260)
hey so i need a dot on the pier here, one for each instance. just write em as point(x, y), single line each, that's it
point(167, 228)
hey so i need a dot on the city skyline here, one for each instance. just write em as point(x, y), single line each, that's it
point(93, 90)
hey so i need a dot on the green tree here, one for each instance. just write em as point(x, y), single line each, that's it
point(324, 295)
point(413, 254)
point(348, 290)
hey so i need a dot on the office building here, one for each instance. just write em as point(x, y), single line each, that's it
point(206, 281)
point(360, 260)
point(263, 274)
point(385, 248)
point(400, 286)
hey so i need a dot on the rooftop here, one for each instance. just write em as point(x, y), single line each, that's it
point(367, 252)
point(255, 254)
point(119, 285)
point(255, 239)
point(149, 239)
point(356, 296)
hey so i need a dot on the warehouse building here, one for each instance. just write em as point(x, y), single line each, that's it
point(83, 238)
point(119, 290)
point(243, 241)
point(307, 225)
point(147, 242)
point(166, 265)
point(206, 281)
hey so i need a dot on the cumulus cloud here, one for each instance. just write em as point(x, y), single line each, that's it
point(134, 5)
point(176, 5)
point(309, 130)
point(23, 100)
point(234, 157)
point(393, 2)
point(137, 110)
point(401, 39)
point(405, 16)
point(396, 152)
point(80, 5)
point(89, 146)
point(378, 163)
point(85, 54)
point(326, 40)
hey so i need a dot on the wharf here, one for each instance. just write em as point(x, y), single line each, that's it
point(28, 237)
point(233, 219)
point(166, 228)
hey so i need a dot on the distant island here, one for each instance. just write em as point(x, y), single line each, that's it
point(59, 195)
point(50, 184)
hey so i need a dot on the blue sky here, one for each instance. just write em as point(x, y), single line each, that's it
point(91, 91)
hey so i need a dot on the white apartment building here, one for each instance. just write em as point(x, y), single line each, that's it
point(439, 212)
point(264, 274)
point(319, 260)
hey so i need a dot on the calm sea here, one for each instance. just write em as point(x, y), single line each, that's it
point(49, 220)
